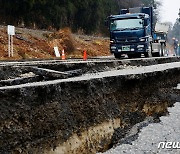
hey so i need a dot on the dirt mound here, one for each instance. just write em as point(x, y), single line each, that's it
point(32, 44)
point(63, 39)
point(75, 44)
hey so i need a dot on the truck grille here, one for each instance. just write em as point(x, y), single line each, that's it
point(127, 40)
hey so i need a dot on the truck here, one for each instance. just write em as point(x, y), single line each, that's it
point(132, 32)
point(160, 38)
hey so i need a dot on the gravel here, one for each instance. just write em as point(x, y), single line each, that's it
point(149, 137)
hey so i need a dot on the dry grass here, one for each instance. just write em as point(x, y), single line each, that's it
point(27, 45)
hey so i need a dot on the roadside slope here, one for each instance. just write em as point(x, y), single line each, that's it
point(32, 44)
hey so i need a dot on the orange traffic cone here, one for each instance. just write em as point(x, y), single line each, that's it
point(84, 55)
point(63, 55)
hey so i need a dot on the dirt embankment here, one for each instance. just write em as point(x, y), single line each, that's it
point(32, 44)
point(81, 115)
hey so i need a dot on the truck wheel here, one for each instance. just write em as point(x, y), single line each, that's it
point(148, 54)
point(117, 55)
point(163, 49)
point(162, 53)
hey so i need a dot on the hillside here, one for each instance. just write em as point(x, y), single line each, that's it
point(32, 44)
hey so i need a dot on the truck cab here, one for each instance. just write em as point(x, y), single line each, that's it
point(131, 33)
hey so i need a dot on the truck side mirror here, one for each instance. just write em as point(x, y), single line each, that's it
point(145, 23)
point(106, 23)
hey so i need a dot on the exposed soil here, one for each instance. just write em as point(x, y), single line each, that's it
point(80, 115)
point(32, 44)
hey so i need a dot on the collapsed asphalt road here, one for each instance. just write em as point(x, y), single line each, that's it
point(55, 113)
point(162, 137)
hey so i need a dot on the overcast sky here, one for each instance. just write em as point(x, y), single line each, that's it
point(169, 10)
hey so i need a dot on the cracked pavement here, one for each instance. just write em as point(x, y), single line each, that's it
point(149, 137)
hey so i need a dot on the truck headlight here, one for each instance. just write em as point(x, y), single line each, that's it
point(142, 40)
point(112, 41)
point(113, 47)
point(140, 46)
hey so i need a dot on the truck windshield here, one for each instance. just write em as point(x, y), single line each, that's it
point(126, 24)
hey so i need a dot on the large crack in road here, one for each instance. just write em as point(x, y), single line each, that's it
point(84, 113)
point(149, 138)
